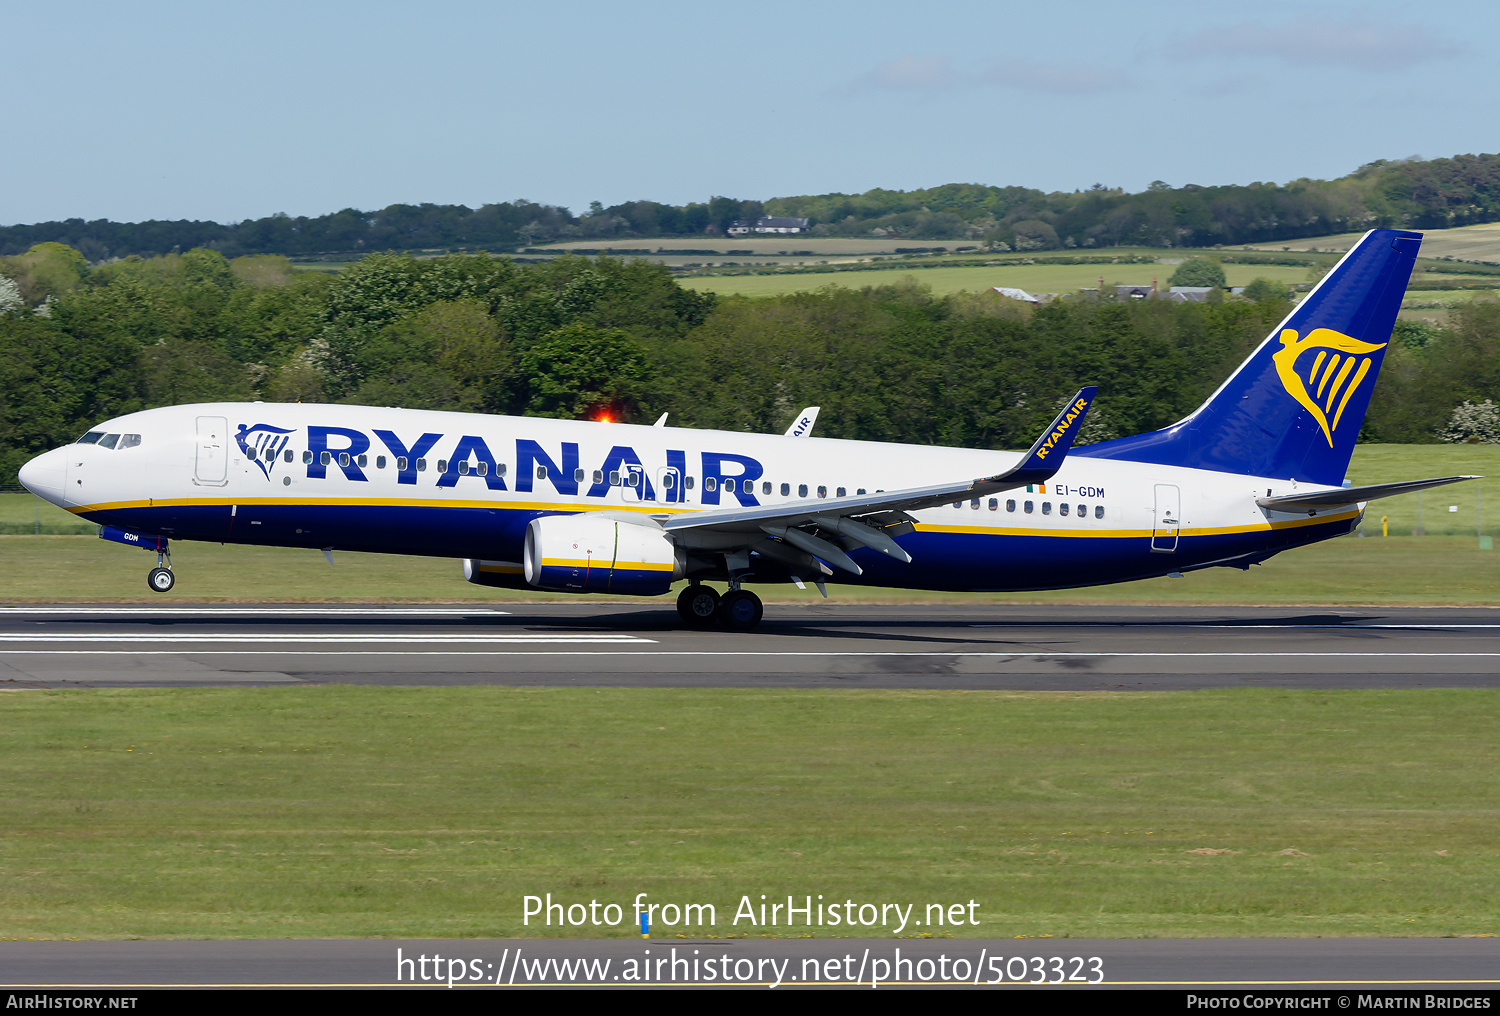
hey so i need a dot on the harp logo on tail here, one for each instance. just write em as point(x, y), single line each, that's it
point(1322, 372)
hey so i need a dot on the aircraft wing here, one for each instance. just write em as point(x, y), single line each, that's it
point(837, 516)
point(1352, 495)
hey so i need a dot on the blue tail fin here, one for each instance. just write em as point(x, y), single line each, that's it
point(1294, 408)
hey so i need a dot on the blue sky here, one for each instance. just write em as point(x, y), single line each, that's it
point(229, 111)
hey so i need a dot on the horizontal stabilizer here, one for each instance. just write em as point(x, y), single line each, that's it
point(1352, 495)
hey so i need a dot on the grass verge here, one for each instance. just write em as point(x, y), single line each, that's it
point(379, 812)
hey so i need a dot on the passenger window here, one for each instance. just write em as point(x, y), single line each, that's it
point(841, 492)
point(687, 481)
point(362, 461)
point(786, 490)
point(1010, 504)
point(578, 475)
point(463, 468)
point(860, 490)
point(1083, 511)
point(633, 478)
point(288, 455)
point(1062, 509)
point(109, 440)
point(974, 504)
point(729, 485)
point(958, 504)
point(250, 454)
point(380, 462)
point(91, 437)
point(484, 468)
point(1098, 511)
point(421, 465)
point(994, 504)
point(343, 458)
point(401, 463)
point(598, 476)
point(325, 458)
point(822, 491)
point(306, 457)
point(709, 483)
point(499, 469)
point(668, 481)
point(541, 472)
point(442, 465)
point(1046, 507)
point(614, 477)
point(801, 490)
point(130, 441)
point(1030, 507)
point(765, 488)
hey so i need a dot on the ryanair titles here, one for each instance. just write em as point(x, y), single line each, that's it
point(345, 451)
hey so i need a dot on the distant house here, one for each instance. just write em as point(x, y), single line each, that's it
point(767, 224)
point(1190, 294)
point(1015, 294)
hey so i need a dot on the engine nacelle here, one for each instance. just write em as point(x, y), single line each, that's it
point(502, 574)
point(601, 552)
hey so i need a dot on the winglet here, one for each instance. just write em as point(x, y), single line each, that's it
point(1047, 455)
point(804, 423)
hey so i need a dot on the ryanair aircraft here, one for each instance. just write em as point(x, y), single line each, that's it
point(576, 506)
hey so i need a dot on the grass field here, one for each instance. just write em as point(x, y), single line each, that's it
point(412, 812)
point(1032, 278)
point(1466, 243)
point(1444, 566)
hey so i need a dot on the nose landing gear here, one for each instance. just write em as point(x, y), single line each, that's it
point(160, 578)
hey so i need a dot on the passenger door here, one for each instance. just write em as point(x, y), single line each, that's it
point(211, 465)
point(1168, 519)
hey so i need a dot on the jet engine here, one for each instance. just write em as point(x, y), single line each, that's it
point(601, 552)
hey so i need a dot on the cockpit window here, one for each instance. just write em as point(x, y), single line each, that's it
point(91, 437)
point(108, 440)
point(129, 441)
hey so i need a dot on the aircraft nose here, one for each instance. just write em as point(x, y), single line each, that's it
point(46, 475)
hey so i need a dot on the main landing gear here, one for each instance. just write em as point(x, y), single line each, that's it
point(701, 607)
point(160, 578)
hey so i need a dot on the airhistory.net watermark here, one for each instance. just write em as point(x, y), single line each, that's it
point(807, 911)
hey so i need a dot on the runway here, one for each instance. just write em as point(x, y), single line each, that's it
point(1054, 648)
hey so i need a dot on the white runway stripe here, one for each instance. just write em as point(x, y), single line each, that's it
point(318, 638)
point(737, 655)
point(258, 611)
point(1230, 627)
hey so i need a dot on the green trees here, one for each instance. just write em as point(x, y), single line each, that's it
point(1264, 290)
point(1198, 272)
point(583, 337)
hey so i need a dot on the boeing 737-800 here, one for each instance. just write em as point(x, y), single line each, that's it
point(580, 506)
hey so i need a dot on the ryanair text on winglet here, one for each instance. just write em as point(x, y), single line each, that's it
point(1073, 413)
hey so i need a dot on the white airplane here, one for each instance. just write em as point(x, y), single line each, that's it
point(584, 507)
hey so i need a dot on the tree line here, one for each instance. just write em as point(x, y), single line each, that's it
point(1417, 194)
point(593, 337)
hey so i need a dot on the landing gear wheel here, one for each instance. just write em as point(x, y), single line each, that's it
point(740, 610)
point(697, 606)
point(160, 580)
